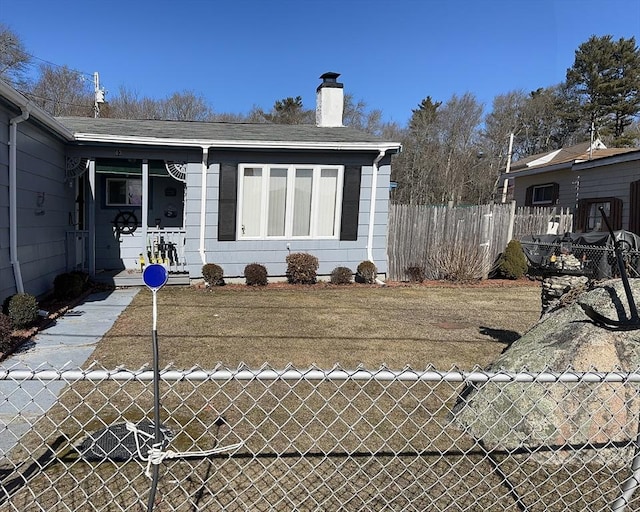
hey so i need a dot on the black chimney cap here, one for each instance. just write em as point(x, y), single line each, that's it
point(330, 76)
point(330, 79)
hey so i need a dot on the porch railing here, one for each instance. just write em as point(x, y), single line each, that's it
point(166, 246)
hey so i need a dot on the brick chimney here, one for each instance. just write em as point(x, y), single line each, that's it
point(329, 101)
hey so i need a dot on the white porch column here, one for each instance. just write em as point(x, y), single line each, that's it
point(91, 218)
point(145, 205)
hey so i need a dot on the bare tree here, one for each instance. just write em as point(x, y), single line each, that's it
point(127, 104)
point(61, 91)
point(356, 115)
point(14, 60)
point(186, 106)
point(232, 118)
point(459, 122)
point(414, 168)
point(543, 120)
point(440, 160)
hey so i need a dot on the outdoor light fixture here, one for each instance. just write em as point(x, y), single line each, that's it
point(565, 244)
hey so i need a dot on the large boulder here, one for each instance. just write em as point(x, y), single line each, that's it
point(555, 419)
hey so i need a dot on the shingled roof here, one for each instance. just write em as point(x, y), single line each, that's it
point(219, 134)
point(569, 155)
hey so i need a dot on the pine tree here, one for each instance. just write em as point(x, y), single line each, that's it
point(606, 76)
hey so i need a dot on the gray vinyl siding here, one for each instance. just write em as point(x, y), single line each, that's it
point(41, 229)
point(7, 285)
point(586, 181)
point(565, 179)
point(233, 256)
point(610, 181)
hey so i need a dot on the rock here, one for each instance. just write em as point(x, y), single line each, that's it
point(554, 419)
point(554, 287)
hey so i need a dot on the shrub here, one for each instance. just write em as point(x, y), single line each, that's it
point(416, 273)
point(6, 328)
point(255, 274)
point(301, 268)
point(213, 274)
point(341, 275)
point(512, 263)
point(84, 277)
point(458, 261)
point(23, 309)
point(69, 285)
point(366, 272)
point(5, 305)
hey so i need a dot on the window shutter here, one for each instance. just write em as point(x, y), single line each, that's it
point(616, 213)
point(581, 216)
point(228, 197)
point(555, 194)
point(634, 207)
point(528, 197)
point(350, 203)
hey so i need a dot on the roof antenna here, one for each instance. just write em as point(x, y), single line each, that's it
point(98, 95)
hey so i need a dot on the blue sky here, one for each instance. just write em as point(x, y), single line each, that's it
point(390, 53)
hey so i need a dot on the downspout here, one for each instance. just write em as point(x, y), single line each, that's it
point(203, 205)
point(372, 208)
point(13, 196)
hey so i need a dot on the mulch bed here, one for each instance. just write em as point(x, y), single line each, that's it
point(283, 285)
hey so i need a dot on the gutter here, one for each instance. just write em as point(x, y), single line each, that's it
point(372, 209)
point(235, 144)
point(13, 195)
point(203, 205)
point(538, 170)
point(606, 160)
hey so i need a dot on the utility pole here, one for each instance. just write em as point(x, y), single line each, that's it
point(98, 95)
point(505, 185)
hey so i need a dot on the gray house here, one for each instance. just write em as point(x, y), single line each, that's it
point(583, 178)
point(36, 201)
point(112, 195)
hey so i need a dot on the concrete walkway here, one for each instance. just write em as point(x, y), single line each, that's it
point(66, 344)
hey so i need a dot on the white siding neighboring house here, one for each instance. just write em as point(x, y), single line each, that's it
point(133, 192)
point(583, 178)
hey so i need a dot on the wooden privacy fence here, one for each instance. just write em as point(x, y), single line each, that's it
point(418, 234)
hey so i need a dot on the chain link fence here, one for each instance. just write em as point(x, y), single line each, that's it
point(340, 440)
point(597, 262)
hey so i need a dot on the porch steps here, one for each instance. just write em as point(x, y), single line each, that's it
point(129, 278)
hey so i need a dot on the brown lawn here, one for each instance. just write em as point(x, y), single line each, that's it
point(323, 325)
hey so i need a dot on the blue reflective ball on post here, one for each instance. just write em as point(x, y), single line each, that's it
point(155, 276)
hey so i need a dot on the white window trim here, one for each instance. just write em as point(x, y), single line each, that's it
point(315, 203)
point(533, 194)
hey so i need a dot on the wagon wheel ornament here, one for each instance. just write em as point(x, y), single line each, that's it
point(125, 223)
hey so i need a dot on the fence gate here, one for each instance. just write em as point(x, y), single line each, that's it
point(341, 440)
